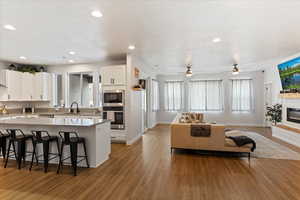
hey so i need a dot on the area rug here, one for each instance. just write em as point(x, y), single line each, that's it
point(266, 148)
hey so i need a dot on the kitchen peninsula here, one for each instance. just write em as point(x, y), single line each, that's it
point(96, 131)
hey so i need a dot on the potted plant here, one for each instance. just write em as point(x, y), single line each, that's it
point(274, 113)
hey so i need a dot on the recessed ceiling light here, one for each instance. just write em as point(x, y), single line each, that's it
point(131, 47)
point(9, 27)
point(216, 40)
point(71, 61)
point(23, 57)
point(96, 13)
point(72, 53)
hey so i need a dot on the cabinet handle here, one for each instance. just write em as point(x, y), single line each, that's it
point(41, 96)
point(8, 96)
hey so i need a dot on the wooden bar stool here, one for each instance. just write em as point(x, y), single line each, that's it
point(3, 141)
point(72, 139)
point(17, 136)
point(43, 137)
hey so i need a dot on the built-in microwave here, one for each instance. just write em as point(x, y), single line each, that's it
point(113, 98)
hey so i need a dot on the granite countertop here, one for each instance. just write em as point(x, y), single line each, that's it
point(42, 121)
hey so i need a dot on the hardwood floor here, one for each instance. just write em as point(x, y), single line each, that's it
point(147, 170)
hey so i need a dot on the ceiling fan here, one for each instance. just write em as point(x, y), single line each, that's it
point(189, 72)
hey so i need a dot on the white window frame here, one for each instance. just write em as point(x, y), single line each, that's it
point(221, 96)
point(96, 89)
point(168, 106)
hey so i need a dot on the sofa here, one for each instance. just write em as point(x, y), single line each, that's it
point(213, 139)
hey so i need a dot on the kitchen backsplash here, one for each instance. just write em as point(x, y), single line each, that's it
point(14, 105)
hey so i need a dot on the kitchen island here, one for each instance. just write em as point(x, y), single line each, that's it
point(96, 132)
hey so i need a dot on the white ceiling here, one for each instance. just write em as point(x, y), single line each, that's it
point(165, 32)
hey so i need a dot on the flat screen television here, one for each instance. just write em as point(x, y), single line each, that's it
point(289, 72)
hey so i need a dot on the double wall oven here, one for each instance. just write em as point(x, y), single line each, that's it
point(113, 108)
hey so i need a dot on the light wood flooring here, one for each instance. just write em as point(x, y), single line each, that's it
point(147, 170)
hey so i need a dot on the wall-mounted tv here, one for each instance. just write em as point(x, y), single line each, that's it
point(290, 74)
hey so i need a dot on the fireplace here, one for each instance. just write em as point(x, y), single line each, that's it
point(293, 115)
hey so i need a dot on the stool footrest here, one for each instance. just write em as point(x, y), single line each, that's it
point(77, 162)
point(51, 158)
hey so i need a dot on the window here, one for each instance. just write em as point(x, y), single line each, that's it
point(155, 95)
point(174, 95)
point(81, 89)
point(57, 90)
point(206, 95)
point(242, 99)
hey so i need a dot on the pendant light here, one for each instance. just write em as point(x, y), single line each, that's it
point(189, 72)
point(235, 69)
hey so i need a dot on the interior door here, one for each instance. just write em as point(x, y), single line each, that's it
point(268, 100)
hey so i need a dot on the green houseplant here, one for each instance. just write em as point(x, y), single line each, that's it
point(274, 113)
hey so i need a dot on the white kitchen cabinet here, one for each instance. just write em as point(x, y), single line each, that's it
point(27, 81)
point(18, 86)
point(114, 75)
point(42, 88)
point(13, 85)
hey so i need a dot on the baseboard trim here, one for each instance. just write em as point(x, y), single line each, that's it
point(135, 139)
point(249, 125)
point(229, 124)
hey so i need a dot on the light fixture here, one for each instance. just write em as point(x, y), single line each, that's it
point(9, 27)
point(235, 69)
point(22, 57)
point(71, 61)
point(189, 72)
point(216, 40)
point(72, 53)
point(96, 13)
point(131, 47)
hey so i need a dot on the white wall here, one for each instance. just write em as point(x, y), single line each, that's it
point(271, 76)
point(148, 73)
point(134, 113)
point(226, 117)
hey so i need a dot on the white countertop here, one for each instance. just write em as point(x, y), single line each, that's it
point(42, 121)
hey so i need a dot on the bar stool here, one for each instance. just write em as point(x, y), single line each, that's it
point(43, 137)
point(17, 136)
point(3, 138)
point(72, 139)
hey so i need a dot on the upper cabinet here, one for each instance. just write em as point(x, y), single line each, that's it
point(18, 86)
point(13, 85)
point(42, 89)
point(114, 75)
point(27, 83)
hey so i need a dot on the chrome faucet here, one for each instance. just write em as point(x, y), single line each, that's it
point(77, 108)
